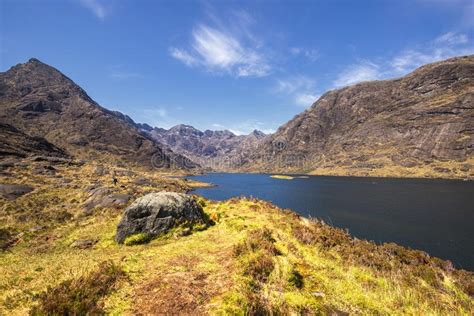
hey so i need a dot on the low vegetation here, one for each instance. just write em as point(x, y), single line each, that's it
point(80, 296)
point(255, 259)
point(137, 239)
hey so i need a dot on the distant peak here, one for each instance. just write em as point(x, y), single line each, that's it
point(183, 129)
point(34, 60)
point(183, 126)
point(258, 133)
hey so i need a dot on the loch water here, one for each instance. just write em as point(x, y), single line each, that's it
point(433, 215)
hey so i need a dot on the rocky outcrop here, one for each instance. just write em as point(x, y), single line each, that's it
point(13, 191)
point(104, 197)
point(156, 213)
point(16, 143)
point(39, 101)
point(422, 122)
point(207, 148)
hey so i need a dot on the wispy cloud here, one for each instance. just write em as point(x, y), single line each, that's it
point(124, 75)
point(301, 89)
point(96, 7)
point(304, 99)
point(157, 116)
point(452, 38)
point(311, 54)
point(363, 71)
point(444, 46)
point(294, 84)
point(120, 72)
point(217, 49)
point(246, 127)
point(183, 56)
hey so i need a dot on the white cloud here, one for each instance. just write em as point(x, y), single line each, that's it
point(294, 84)
point(246, 127)
point(411, 59)
point(183, 56)
point(305, 99)
point(300, 89)
point(356, 73)
point(156, 117)
point(310, 54)
point(452, 38)
point(445, 46)
point(218, 50)
point(217, 125)
point(96, 7)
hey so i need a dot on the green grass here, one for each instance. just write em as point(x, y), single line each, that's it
point(256, 258)
point(137, 239)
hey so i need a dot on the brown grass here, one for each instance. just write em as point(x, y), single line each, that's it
point(80, 296)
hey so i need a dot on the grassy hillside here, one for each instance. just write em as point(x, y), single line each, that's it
point(256, 258)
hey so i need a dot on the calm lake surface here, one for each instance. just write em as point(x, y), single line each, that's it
point(436, 216)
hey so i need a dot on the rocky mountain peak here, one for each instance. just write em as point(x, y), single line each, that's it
point(417, 124)
point(185, 130)
point(37, 100)
point(258, 134)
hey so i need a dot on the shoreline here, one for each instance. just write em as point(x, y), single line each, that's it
point(296, 175)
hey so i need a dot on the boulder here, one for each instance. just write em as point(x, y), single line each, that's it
point(13, 191)
point(156, 213)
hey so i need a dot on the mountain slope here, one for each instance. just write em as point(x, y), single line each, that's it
point(15, 143)
point(40, 101)
point(418, 125)
point(209, 148)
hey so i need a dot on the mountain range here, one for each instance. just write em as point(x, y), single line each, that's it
point(37, 101)
point(419, 125)
point(211, 149)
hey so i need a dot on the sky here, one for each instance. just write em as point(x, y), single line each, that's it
point(237, 65)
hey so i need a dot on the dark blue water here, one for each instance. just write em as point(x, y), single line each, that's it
point(436, 216)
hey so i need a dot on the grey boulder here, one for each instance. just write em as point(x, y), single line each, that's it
point(157, 213)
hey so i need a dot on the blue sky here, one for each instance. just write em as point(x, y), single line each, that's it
point(226, 64)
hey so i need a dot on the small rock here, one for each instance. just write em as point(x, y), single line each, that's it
point(441, 169)
point(13, 191)
point(83, 243)
point(124, 172)
point(45, 169)
point(318, 294)
point(141, 181)
point(36, 229)
point(99, 170)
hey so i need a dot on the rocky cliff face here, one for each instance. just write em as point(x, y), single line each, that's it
point(18, 144)
point(212, 149)
point(418, 125)
point(39, 101)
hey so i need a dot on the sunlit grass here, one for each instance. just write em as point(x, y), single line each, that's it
point(256, 258)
